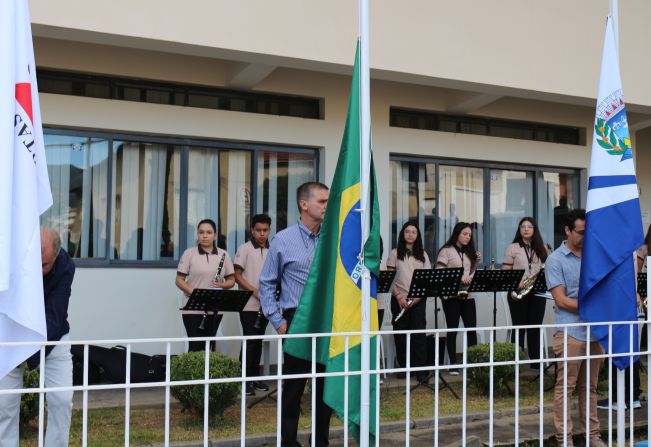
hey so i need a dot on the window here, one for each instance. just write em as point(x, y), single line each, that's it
point(557, 194)
point(125, 89)
point(511, 199)
point(461, 193)
point(413, 198)
point(146, 179)
point(279, 175)
point(521, 130)
point(124, 199)
point(234, 197)
point(78, 171)
point(437, 194)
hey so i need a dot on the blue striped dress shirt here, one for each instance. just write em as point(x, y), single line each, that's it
point(288, 262)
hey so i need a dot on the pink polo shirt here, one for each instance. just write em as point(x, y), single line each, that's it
point(250, 258)
point(405, 269)
point(200, 268)
point(516, 256)
point(642, 253)
point(449, 257)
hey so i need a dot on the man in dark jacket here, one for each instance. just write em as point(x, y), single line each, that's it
point(58, 273)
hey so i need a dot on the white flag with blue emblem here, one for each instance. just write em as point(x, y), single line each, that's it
point(613, 228)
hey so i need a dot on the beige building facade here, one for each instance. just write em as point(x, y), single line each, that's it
point(159, 114)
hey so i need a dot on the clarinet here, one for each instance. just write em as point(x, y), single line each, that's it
point(260, 318)
point(218, 275)
point(404, 309)
point(218, 278)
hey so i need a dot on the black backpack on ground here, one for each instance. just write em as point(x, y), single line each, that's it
point(111, 364)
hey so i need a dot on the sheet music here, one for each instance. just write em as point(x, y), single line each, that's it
point(547, 295)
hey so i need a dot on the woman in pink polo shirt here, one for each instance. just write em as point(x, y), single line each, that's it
point(459, 251)
point(204, 266)
point(407, 257)
point(527, 252)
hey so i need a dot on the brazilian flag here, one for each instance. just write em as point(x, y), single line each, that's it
point(332, 297)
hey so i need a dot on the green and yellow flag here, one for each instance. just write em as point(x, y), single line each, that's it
point(332, 298)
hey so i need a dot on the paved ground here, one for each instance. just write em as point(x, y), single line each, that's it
point(450, 434)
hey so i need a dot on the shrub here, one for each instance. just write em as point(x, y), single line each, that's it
point(29, 402)
point(502, 374)
point(190, 366)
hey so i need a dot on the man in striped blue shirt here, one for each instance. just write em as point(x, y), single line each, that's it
point(287, 266)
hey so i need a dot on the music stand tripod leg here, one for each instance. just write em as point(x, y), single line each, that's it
point(495, 310)
point(269, 395)
point(425, 383)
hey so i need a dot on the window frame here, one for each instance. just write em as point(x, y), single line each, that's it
point(185, 145)
point(486, 167)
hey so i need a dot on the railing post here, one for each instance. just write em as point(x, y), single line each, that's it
point(206, 395)
point(41, 397)
point(464, 387)
point(243, 396)
point(314, 391)
point(408, 387)
point(168, 359)
point(436, 387)
point(127, 396)
point(84, 409)
point(565, 402)
point(346, 369)
point(279, 387)
point(587, 386)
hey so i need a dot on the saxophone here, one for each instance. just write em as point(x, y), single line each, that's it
point(462, 293)
point(527, 286)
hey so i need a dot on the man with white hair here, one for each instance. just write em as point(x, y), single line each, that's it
point(58, 273)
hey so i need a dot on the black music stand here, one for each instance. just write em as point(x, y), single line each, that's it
point(641, 284)
point(385, 281)
point(495, 281)
point(436, 283)
point(642, 291)
point(217, 300)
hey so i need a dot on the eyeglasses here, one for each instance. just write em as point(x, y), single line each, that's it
point(580, 232)
point(526, 227)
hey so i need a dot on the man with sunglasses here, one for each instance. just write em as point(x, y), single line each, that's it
point(562, 272)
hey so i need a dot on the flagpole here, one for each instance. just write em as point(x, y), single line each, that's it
point(614, 13)
point(365, 165)
point(621, 379)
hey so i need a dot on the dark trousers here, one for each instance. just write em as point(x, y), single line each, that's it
point(627, 373)
point(528, 310)
point(643, 338)
point(253, 347)
point(414, 318)
point(192, 323)
point(291, 399)
point(455, 309)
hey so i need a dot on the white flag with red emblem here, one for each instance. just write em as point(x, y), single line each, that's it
point(24, 189)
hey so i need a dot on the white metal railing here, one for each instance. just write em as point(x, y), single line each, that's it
point(436, 369)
